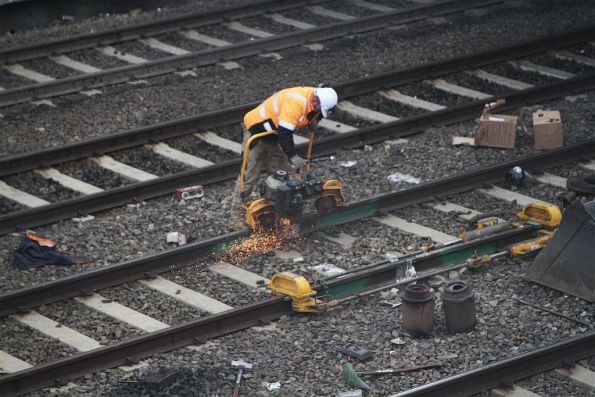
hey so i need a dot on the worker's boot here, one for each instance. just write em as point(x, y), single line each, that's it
point(237, 218)
point(236, 224)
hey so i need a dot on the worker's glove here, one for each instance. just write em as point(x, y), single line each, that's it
point(298, 162)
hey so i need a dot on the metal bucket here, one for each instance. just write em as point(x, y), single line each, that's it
point(459, 307)
point(417, 310)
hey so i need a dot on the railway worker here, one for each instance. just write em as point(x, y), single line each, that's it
point(283, 112)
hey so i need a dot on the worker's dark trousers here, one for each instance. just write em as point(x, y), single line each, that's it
point(264, 155)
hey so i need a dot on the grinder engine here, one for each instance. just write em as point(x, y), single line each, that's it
point(286, 197)
point(287, 194)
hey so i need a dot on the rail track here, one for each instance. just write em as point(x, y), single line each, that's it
point(93, 78)
point(24, 300)
point(90, 198)
point(191, 308)
point(225, 319)
point(562, 356)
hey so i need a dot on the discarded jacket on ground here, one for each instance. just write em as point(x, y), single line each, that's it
point(30, 253)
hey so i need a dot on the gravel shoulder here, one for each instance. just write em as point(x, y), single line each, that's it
point(300, 351)
point(27, 127)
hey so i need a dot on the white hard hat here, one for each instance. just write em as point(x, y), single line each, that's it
point(328, 99)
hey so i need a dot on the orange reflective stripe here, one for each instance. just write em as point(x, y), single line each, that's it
point(40, 240)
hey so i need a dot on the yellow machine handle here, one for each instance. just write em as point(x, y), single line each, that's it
point(529, 246)
point(267, 133)
point(309, 154)
point(247, 150)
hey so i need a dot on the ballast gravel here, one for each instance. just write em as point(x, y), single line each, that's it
point(301, 351)
point(141, 228)
point(107, 21)
point(127, 106)
point(152, 303)
point(149, 161)
point(30, 345)
point(311, 363)
point(95, 58)
point(36, 185)
point(90, 172)
point(52, 69)
point(104, 329)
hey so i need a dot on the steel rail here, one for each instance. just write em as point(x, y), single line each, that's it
point(198, 331)
point(180, 127)
point(482, 177)
point(235, 51)
point(510, 370)
point(145, 29)
point(58, 372)
point(25, 299)
point(384, 273)
point(134, 269)
point(20, 220)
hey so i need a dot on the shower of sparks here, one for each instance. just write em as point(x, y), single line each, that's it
point(259, 242)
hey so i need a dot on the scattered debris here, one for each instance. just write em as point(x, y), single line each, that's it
point(459, 306)
point(36, 251)
point(241, 366)
point(463, 140)
point(355, 351)
point(328, 270)
point(393, 305)
point(417, 310)
point(155, 379)
point(390, 294)
point(514, 177)
point(398, 177)
point(273, 386)
point(547, 130)
point(324, 158)
point(397, 341)
point(582, 184)
point(177, 237)
point(434, 364)
point(190, 192)
point(83, 218)
point(352, 379)
point(500, 130)
point(351, 393)
point(545, 309)
point(410, 270)
point(391, 256)
point(350, 164)
point(438, 281)
point(496, 131)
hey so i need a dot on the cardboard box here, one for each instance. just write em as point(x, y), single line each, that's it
point(547, 130)
point(496, 130)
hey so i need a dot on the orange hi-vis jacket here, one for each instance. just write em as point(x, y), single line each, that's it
point(283, 112)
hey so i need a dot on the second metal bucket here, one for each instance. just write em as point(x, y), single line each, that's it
point(459, 307)
point(417, 309)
